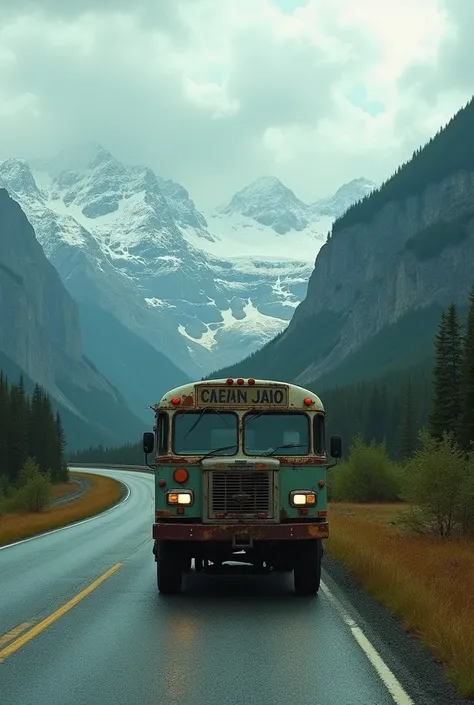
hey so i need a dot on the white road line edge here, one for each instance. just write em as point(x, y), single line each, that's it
point(76, 523)
point(390, 681)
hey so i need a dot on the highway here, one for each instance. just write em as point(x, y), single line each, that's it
point(81, 623)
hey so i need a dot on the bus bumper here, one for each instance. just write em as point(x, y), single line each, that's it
point(172, 531)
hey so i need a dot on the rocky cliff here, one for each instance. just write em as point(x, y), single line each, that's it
point(410, 258)
point(40, 332)
point(371, 274)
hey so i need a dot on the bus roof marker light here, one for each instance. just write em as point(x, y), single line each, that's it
point(308, 401)
point(229, 381)
point(240, 380)
point(175, 400)
point(251, 380)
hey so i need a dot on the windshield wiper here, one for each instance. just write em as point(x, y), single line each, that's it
point(206, 410)
point(287, 445)
point(217, 450)
point(252, 417)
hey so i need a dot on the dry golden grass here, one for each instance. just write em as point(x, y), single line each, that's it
point(103, 493)
point(428, 582)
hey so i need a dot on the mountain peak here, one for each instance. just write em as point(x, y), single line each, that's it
point(360, 184)
point(269, 202)
point(345, 196)
point(78, 159)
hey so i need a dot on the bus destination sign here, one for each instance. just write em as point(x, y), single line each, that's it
point(242, 396)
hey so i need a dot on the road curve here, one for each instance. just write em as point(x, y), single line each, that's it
point(224, 641)
point(82, 486)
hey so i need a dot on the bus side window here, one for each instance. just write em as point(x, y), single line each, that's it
point(319, 435)
point(162, 433)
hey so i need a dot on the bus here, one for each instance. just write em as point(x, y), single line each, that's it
point(240, 480)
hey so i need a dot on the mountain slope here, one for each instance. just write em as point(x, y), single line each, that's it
point(40, 332)
point(136, 369)
point(201, 289)
point(386, 261)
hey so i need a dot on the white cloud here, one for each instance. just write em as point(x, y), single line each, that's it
point(214, 93)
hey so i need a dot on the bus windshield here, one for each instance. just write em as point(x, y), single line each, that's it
point(267, 432)
point(199, 432)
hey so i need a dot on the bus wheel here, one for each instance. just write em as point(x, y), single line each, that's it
point(169, 570)
point(307, 573)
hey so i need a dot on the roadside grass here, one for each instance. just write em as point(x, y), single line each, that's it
point(103, 493)
point(427, 581)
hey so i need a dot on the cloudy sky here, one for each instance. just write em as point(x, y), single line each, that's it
point(214, 93)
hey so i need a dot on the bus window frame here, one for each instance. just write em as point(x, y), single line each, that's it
point(317, 434)
point(272, 412)
point(220, 412)
point(162, 432)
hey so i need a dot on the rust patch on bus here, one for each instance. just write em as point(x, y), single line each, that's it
point(188, 401)
point(225, 532)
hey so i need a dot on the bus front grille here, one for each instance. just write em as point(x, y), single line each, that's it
point(240, 492)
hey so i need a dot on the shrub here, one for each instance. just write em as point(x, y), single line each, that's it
point(439, 486)
point(369, 475)
point(34, 492)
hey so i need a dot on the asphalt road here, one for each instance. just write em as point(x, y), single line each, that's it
point(224, 641)
point(82, 485)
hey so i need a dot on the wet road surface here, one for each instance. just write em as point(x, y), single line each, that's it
point(225, 641)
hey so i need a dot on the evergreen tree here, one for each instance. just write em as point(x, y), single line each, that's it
point(446, 405)
point(376, 424)
point(29, 429)
point(35, 428)
point(50, 456)
point(17, 432)
point(61, 445)
point(408, 429)
point(455, 355)
point(467, 400)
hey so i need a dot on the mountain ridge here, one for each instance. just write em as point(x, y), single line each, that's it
point(40, 332)
point(384, 261)
point(135, 245)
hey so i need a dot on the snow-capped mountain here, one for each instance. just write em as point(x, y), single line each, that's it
point(205, 290)
point(269, 202)
point(345, 196)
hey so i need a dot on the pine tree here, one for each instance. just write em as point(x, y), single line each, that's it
point(375, 427)
point(50, 456)
point(446, 404)
point(467, 399)
point(455, 355)
point(17, 432)
point(61, 445)
point(35, 429)
point(408, 435)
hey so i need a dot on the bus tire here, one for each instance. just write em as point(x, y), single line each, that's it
point(169, 572)
point(307, 572)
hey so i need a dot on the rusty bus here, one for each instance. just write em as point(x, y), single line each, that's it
point(240, 478)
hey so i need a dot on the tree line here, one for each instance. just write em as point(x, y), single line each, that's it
point(433, 470)
point(451, 150)
point(32, 447)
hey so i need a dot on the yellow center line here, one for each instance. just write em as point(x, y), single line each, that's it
point(38, 628)
point(15, 632)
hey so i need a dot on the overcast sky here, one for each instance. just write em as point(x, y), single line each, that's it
point(214, 93)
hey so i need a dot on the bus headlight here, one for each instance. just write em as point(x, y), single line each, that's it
point(180, 497)
point(303, 498)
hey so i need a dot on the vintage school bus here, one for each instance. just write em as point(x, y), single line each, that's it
point(240, 476)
